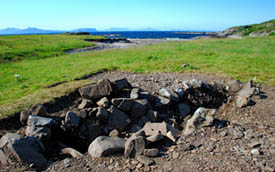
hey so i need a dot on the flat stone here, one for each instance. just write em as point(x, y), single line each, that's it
point(7, 138)
point(237, 134)
point(155, 138)
point(145, 160)
point(105, 146)
point(140, 107)
point(184, 109)
point(154, 152)
point(234, 86)
point(36, 110)
point(102, 114)
point(3, 158)
point(156, 128)
point(117, 119)
point(134, 146)
point(103, 102)
point(103, 88)
point(38, 121)
point(242, 101)
point(175, 155)
point(202, 117)
point(123, 104)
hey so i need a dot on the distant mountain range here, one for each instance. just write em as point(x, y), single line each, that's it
point(32, 30)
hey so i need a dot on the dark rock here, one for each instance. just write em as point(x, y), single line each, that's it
point(82, 114)
point(184, 109)
point(152, 115)
point(85, 103)
point(121, 84)
point(40, 127)
point(102, 114)
point(144, 119)
point(117, 119)
point(154, 152)
point(23, 151)
point(71, 120)
point(134, 146)
point(104, 102)
point(103, 88)
point(104, 146)
point(140, 107)
point(123, 104)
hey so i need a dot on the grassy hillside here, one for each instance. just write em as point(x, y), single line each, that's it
point(265, 27)
point(18, 47)
point(241, 59)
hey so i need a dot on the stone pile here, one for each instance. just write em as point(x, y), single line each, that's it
point(113, 117)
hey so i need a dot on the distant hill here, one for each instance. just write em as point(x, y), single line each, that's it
point(84, 30)
point(113, 29)
point(261, 29)
point(33, 30)
point(30, 30)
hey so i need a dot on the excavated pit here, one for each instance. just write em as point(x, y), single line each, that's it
point(205, 95)
point(82, 116)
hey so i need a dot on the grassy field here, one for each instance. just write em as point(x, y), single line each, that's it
point(18, 47)
point(241, 59)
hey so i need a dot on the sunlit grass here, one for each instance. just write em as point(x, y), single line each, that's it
point(239, 59)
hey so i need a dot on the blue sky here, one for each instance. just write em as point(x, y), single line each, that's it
point(134, 14)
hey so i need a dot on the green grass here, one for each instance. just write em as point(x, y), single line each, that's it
point(267, 26)
point(241, 59)
point(18, 47)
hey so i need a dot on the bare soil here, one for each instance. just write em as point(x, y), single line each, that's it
point(208, 149)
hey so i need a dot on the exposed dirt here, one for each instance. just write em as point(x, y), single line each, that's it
point(208, 149)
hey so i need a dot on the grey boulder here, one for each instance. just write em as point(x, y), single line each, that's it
point(117, 119)
point(105, 146)
point(202, 117)
point(103, 88)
